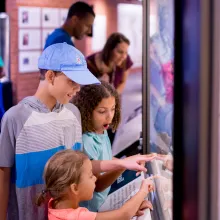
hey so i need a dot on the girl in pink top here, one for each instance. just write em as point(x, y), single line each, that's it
point(69, 180)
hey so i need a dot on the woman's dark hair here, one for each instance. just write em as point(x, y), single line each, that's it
point(88, 99)
point(61, 170)
point(112, 42)
point(80, 9)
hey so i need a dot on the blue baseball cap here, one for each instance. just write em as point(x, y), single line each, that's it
point(67, 59)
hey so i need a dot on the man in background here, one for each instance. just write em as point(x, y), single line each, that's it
point(79, 23)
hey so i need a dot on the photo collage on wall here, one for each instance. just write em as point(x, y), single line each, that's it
point(35, 24)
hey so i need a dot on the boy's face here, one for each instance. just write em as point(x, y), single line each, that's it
point(61, 87)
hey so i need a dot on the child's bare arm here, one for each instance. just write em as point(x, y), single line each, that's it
point(130, 208)
point(130, 163)
point(126, 212)
point(4, 190)
point(99, 166)
point(107, 179)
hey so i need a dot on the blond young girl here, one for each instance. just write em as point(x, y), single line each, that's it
point(69, 180)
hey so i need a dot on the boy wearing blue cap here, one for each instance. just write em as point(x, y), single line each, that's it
point(38, 127)
point(41, 125)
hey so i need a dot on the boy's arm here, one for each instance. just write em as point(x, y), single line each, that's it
point(7, 155)
point(130, 163)
point(93, 152)
point(107, 179)
point(4, 191)
point(99, 166)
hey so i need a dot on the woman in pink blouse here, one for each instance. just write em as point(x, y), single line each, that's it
point(113, 63)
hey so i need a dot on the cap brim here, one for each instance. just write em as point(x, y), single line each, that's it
point(82, 77)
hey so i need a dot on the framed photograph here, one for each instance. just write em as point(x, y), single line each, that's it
point(50, 18)
point(63, 15)
point(99, 32)
point(29, 17)
point(130, 24)
point(29, 39)
point(28, 61)
point(45, 34)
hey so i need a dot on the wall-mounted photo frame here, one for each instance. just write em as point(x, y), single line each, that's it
point(50, 18)
point(29, 39)
point(29, 17)
point(28, 61)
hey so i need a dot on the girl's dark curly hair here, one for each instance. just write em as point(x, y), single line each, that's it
point(88, 99)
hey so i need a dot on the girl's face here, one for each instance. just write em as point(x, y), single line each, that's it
point(119, 54)
point(103, 114)
point(86, 185)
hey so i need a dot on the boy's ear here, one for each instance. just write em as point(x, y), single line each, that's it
point(49, 76)
point(74, 189)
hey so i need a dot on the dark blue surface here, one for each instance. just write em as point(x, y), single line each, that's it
point(124, 179)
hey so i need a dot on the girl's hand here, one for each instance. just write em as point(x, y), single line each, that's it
point(161, 157)
point(147, 186)
point(144, 205)
point(137, 162)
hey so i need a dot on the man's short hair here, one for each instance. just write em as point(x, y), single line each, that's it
point(80, 9)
